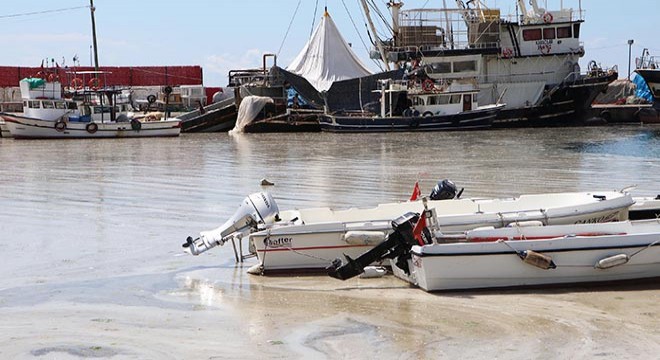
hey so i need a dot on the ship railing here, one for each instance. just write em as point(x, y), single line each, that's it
point(446, 29)
point(647, 62)
point(564, 15)
point(578, 78)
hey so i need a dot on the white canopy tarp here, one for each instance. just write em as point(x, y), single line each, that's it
point(327, 58)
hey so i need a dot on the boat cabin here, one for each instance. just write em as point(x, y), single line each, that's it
point(409, 99)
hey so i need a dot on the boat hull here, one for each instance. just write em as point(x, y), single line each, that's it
point(495, 264)
point(29, 128)
point(468, 120)
point(4, 130)
point(215, 120)
point(315, 244)
point(652, 78)
point(569, 104)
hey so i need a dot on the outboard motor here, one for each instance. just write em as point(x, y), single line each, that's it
point(445, 190)
point(258, 208)
point(396, 246)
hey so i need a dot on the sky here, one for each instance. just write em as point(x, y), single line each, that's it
point(222, 35)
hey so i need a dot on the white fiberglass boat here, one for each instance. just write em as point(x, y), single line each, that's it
point(312, 238)
point(530, 255)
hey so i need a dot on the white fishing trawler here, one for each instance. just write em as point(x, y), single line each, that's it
point(529, 60)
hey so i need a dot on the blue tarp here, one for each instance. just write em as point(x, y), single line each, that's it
point(643, 90)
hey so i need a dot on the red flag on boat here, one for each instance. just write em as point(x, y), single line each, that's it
point(419, 228)
point(417, 193)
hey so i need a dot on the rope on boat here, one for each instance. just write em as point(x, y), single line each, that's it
point(627, 257)
point(648, 246)
point(316, 7)
point(263, 260)
point(289, 28)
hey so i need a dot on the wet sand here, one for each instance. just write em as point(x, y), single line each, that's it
point(317, 317)
point(92, 265)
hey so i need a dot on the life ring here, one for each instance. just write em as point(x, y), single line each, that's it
point(605, 115)
point(428, 85)
point(95, 83)
point(92, 128)
point(60, 126)
point(547, 18)
point(77, 83)
point(151, 99)
point(427, 114)
point(40, 75)
point(136, 125)
point(507, 53)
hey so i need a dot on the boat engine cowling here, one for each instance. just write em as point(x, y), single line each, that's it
point(257, 208)
point(444, 190)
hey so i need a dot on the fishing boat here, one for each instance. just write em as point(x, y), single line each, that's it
point(219, 116)
point(523, 254)
point(648, 67)
point(312, 238)
point(48, 114)
point(51, 111)
point(529, 60)
point(410, 106)
point(645, 208)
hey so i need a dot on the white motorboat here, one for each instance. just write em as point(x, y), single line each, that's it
point(312, 238)
point(523, 254)
point(645, 208)
point(48, 114)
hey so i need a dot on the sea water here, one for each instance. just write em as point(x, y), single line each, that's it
point(92, 264)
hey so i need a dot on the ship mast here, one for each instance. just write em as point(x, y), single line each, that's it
point(96, 54)
point(373, 30)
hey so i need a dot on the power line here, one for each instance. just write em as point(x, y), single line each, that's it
point(42, 12)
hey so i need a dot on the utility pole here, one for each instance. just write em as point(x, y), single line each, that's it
point(630, 43)
point(96, 53)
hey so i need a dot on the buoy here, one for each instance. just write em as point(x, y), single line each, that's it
point(265, 182)
point(539, 260)
point(612, 261)
point(364, 237)
point(371, 272)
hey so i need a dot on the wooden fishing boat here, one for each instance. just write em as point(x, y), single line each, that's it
point(48, 114)
point(415, 106)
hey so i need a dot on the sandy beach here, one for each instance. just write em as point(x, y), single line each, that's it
point(193, 315)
